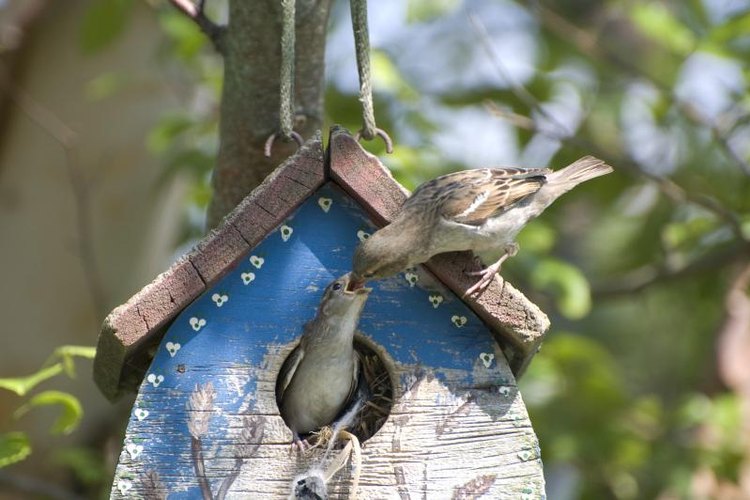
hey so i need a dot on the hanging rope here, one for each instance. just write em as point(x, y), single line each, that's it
point(362, 46)
point(286, 80)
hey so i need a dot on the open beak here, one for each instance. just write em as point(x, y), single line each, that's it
point(357, 286)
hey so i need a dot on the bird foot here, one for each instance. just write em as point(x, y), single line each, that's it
point(299, 445)
point(487, 275)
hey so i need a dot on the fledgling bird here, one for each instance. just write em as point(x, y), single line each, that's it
point(320, 376)
point(480, 210)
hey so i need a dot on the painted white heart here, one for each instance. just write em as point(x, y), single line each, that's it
point(436, 299)
point(487, 358)
point(124, 485)
point(257, 261)
point(362, 235)
point(247, 278)
point(525, 455)
point(140, 413)
point(286, 232)
point(219, 299)
point(134, 450)
point(325, 204)
point(197, 323)
point(459, 321)
point(155, 380)
point(411, 277)
point(172, 348)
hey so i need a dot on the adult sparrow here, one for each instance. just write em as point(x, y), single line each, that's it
point(480, 210)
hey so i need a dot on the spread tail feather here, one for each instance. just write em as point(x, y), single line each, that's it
point(577, 172)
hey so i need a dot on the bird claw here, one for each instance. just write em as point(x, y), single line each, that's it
point(299, 445)
point(487, 275)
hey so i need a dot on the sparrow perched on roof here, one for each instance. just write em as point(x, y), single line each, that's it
point(320, 375)
point(480, 210)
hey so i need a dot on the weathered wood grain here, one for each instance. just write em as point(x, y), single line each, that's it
point(519, 323)
point(363, 177)
point(140, 322)
point(206, 419)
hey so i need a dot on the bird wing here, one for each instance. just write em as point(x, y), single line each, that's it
point(287, 371)
point(473, 196)
point(355, 376)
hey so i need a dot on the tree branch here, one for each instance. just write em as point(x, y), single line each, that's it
point(66, 137)
point(647, 275)
point(196, 12)
point(588, 45)
point(642, 278)
point(668, 187)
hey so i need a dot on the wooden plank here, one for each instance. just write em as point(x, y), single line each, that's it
point(129, 326)
point(458, 428)
point(363, 177)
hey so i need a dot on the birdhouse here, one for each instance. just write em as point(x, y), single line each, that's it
point(204, 342)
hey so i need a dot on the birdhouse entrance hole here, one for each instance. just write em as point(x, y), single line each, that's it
point(377, 372)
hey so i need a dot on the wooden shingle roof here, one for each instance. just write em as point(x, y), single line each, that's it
point(133, 330)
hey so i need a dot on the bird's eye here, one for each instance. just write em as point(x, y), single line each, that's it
point(336, 286)
point(368, 275)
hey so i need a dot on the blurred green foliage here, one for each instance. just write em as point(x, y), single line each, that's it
point(16, 446)
point(625, 394)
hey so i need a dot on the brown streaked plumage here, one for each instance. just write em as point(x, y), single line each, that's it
point(478, 210)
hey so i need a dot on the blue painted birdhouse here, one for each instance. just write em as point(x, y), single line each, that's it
point(204, 342)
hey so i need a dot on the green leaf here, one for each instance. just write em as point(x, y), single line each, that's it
point(71, 415)
point(14, 447)
point(656, 21)
point(187, 37)
point(22, 385)
point(537, 237)
point(735, 27)
point(67, 353)
point(78, 351)
point(573, 294)
point(427, 10)
point(103, 86)
point(103, 22)
point(388, 78)
point(166, 131)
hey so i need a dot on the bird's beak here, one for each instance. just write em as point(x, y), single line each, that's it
point(358, 288)
point(355, 283)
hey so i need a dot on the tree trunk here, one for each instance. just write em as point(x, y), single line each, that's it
point(250, 100)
